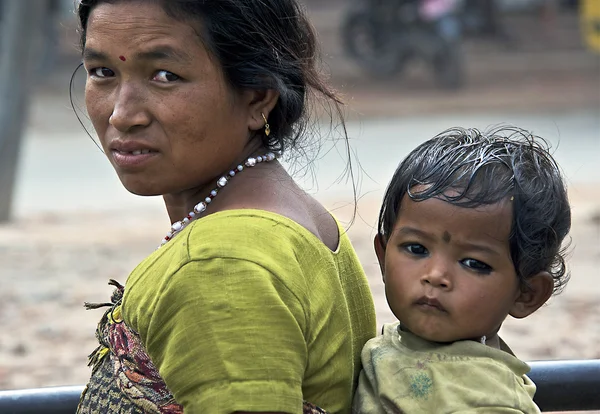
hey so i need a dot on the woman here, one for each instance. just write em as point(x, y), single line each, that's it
point(255, 300)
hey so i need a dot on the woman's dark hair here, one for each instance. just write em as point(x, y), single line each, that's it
point(260, 45)
point(469, 168)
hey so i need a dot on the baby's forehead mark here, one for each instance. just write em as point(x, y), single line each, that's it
point(123, 58)
point(446, 237)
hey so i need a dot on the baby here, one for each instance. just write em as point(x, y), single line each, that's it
point(470, 232)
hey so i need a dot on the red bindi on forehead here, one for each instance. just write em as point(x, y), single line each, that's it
point(122, 58)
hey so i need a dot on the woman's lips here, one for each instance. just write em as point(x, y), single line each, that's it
point(133, 158)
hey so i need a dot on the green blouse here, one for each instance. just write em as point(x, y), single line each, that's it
point(248, 310)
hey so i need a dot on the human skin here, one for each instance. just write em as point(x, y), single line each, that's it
point(169, 99)
point(153, 87)
point(448, 270)
point(171, 125)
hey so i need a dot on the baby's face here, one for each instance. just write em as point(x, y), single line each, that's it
point(448, 271)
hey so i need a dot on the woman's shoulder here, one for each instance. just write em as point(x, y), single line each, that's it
point(248, 220)
point(248, 231)
point(243, 238)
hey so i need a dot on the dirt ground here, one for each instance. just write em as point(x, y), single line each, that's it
point(51, 263)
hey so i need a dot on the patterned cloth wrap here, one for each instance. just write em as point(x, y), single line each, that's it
point(124, 379)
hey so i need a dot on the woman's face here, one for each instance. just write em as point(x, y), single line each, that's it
point(158, 102)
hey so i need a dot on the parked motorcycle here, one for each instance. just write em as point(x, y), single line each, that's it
point(383, 36)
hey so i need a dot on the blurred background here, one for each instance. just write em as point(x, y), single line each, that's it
point(407, 70)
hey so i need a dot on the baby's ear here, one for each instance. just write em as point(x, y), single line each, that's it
point(380, 252)
point(535, 295)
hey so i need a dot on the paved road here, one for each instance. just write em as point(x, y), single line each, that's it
point(66, 172)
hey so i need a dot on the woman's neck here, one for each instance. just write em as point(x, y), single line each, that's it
point(179, 205)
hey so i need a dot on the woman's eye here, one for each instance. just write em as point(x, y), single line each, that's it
point(165, 76)
point(416, 249)
point(101, 72)
point(477, 266)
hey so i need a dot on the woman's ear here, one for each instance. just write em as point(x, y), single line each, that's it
point(259, 103)
point(380, 252)
point(539, 290)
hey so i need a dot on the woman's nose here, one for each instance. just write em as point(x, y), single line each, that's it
point(129, 109)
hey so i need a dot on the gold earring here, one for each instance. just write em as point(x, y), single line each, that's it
point(267, 127)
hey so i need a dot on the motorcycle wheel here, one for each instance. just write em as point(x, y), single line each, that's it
point(370, 45)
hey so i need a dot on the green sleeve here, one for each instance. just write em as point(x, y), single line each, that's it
point(227, 335)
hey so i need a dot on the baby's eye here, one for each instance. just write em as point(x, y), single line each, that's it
point(165, 76)
point(477, 266)
point(416, 249)
point(101, 72)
